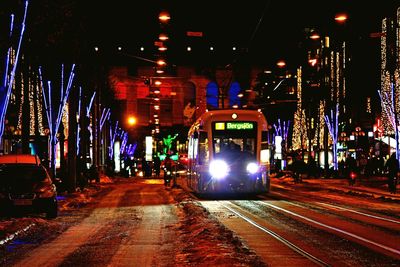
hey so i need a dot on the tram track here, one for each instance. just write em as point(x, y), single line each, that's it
point(278, 237)
point(336, 229)
point(385, 222)
point(360, 237)
point(270, 244)
point(360, 213)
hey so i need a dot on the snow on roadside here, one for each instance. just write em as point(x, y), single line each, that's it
point(10, 227)
point(203, 240)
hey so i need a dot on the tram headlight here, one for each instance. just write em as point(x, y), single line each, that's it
point(219, 169)
point(252, 167)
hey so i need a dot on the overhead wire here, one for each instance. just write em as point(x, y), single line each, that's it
point(258, 24)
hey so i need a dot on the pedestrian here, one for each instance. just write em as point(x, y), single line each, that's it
point(299, 168)
point(392, 166)
point(93, 174)
point(83, 177)
point(169, 167)
point(157, 165)
point(351, 169)
point(146, 170)
point(312, 167)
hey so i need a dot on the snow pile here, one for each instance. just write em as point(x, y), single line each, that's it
point(204, 240)
point(76, 199)
point(105, 179)
point(79, 198)
point(13, 225)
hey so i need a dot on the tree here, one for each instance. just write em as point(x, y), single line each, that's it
point(54, 113)
point(332, 122)
point(11, 63)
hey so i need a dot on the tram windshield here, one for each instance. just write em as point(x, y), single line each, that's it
point(237, 141)
point(224, 145)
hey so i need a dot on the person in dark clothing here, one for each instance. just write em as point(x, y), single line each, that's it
point(145, 168)
point(351, 170)
point(93, 174)
point(157, 165)
point(83, 177)
point(392, 166)
point(169, 166)
point(351, 165)
point(312, 167)
point(299, 168)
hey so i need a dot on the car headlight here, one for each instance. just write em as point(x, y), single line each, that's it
point(252, 168)
point(219, 169)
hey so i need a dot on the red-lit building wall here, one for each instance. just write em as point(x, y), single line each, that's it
point(182, 97)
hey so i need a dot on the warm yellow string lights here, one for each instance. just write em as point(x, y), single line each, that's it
point(35, 106)
point(299, 139)
point(19, 123)
point(39, 98)
point(65, 119)
point(388, 78)
point(332, 74)
point(32, 122)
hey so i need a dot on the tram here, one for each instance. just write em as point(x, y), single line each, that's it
point(228, 152)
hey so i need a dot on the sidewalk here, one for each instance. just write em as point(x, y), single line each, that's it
point(373, 186)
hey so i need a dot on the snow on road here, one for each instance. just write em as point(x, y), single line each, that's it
point(134, 222)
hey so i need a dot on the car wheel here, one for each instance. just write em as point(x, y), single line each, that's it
point(52, 211)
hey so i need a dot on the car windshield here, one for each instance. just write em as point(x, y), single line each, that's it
point(21, 173)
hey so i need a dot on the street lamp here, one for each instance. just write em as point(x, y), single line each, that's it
point(164, 17)
point(132, 121)
point(163, 37)
point(315, 36)
point(132, 130)
point(281, 63)
point(341, 18)
point(161, 62)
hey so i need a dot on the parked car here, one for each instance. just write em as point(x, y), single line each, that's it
point(26, 184)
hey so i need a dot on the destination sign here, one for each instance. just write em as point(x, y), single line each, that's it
point(241, 126)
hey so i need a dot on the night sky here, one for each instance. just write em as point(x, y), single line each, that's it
point(228, 23)
point(266, 30)
point(270, 29)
